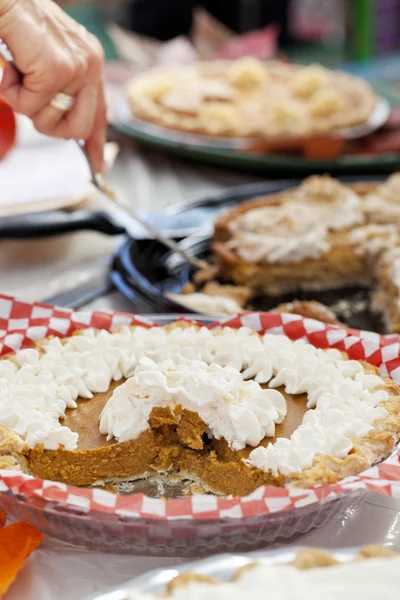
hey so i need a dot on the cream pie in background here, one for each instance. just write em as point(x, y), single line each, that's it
point(320, 236)
point(228, 410)
point(374, 574)
point(249, 98)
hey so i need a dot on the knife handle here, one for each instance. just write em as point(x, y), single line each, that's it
point(47, 224)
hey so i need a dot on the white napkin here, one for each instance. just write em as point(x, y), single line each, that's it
point(43, 173)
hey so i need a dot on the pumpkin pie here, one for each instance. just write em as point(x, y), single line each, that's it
point(247, 98)
point(228, 410)
point(298, 239)
point(321, 235)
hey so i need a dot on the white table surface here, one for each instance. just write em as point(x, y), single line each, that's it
point(149, 181)
point(37, 269)
point(58, 571)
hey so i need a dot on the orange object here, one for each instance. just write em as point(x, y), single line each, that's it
point(2, 518)
point(323, 147)
point(17, 541)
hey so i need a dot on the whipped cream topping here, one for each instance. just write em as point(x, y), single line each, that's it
point(297, 228)
point(207, 372)
point(373, 238)
point(343, 397)
point(272, 248)
point(383, 205)
point(32, 399)
point(372, 579)
point(240, 411)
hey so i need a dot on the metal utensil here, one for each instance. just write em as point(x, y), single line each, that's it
point(107, 193)
point(98, 182)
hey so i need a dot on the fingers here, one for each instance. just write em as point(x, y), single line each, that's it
point(30, 92)
point(48, 54)
point(86, 120)
point(95, 141)
point(73, 66)
point(77, 123)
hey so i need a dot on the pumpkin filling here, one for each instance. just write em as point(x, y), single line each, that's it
point(176, 441)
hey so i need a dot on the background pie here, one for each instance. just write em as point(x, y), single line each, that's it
point(321, 235)
point(248, 98)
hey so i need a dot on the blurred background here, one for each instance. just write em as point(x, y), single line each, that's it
point(152, 175)
point(331, 32)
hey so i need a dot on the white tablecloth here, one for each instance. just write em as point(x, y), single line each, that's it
point(38, 269)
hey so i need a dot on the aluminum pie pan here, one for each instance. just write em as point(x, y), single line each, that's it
point(222, 566)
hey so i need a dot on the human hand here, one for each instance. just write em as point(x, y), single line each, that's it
point(53, 54)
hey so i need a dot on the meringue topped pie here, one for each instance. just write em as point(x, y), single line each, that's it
point(228, 410)
point(321, 235)
point(373, 574)
point(249, 98)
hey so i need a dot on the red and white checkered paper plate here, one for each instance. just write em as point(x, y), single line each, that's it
point(137, 523)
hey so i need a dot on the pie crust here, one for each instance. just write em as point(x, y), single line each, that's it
point(310, 309)
point(215, 305)
point(176, 444)
point(218, 299)
point(247, 98)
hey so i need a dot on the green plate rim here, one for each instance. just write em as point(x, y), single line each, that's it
point(268, 162)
